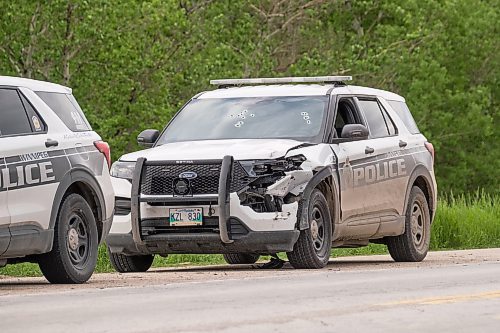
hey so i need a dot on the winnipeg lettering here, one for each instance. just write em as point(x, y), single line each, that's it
point(34, 156)
point(30, 174)
point(380, 171)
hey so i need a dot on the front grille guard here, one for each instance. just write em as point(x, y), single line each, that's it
point(222, 197)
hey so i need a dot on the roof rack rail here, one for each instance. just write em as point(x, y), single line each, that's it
point(280, 80)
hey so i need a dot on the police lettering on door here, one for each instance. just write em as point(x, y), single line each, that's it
point(367, 174)
point(27, 170)
point(379, 171)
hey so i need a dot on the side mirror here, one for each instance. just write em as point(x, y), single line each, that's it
point(355, 132)
point(148, 137)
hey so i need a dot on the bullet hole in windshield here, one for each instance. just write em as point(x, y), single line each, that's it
point(242, 115)
point(306, 117)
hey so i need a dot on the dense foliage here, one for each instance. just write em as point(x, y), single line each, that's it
point(132, 64)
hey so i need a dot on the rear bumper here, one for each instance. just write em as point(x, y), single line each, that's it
point(262, 242)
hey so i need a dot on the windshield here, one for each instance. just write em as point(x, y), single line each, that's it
point(248, 118)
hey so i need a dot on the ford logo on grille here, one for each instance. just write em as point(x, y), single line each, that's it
point(188, 175)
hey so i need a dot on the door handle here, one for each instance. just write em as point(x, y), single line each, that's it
point(402, 143)
point(369, 150)
point(51, 143)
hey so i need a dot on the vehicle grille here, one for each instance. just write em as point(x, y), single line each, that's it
point(159, 179)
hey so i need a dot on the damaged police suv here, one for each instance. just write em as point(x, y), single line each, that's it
point(56, 197)
point(261, 166)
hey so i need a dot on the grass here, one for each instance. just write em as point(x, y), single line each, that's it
point(461, 222)
point(467, 222)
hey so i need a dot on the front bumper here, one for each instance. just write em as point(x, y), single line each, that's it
point(262, 242)
point(228, 225)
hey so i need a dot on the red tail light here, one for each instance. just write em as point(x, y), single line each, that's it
point(103, 147)
point(430, 148)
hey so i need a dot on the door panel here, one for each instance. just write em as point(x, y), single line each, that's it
point(34, 161)
point(408, 147)
point(4, 212)
point(34, 174)
point(362, 177)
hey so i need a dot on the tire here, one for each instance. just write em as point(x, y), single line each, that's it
point(413, 244)
point(312, 249)
point(73, 257)
point(130, 264)
point(241, 258)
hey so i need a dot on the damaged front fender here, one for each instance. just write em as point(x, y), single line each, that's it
point(294, 182)
point(326, 175)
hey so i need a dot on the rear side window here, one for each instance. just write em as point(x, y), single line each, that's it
point(376, 121)
point(13, 117)
point(67, 109)
point(37, 124)
point(404, 113)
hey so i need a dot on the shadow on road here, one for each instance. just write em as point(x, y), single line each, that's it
point(181, 274)
point(234, 268)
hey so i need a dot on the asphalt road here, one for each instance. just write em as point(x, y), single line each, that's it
point(449, 292)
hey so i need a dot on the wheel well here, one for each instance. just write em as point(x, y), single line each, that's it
point(421, 183)
point(326, 187)
point(92, 199)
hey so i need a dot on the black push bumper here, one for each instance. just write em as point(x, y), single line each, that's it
point(222, 198)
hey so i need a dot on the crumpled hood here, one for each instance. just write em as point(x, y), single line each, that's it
point(240, 149)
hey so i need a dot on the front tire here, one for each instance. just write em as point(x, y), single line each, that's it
point(241, 258)
point(74, 253)
point(312, 249)
point(413, 245)
point(130, 264)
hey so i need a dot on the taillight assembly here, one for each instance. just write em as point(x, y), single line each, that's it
point(430, 148)
point(103, 147)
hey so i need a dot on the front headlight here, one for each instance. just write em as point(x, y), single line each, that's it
point(124, 170)
point(263, 167)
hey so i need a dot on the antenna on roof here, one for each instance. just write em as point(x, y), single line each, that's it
point(339, 80)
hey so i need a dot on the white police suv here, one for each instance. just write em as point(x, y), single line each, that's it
point(56, 198)
point(260, 166)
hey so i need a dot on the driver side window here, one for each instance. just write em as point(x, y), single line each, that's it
point(346, 114)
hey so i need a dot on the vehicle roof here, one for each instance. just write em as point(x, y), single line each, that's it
point(296, 90)
point(34, 85)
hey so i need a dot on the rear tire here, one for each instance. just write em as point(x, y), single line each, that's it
point(130, 264)
point(74, 253)
point(241, 258)
point(312, 249)
point(413, 245)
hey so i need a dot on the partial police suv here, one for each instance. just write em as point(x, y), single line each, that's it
point(261, 166)
point(56, 198)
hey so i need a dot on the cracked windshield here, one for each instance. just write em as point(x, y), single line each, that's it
point(248, 118)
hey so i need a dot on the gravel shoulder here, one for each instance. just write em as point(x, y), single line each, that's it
point(165, 276)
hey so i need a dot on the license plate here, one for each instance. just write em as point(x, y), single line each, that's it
point(186, 216)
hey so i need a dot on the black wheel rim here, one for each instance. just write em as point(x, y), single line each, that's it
point(318, 229)
point(417, 223)
point(78, 240)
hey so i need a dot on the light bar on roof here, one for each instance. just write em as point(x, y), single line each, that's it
point(280, 80)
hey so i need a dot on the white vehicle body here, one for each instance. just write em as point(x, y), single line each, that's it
point(41, 165)
point(366, 182)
